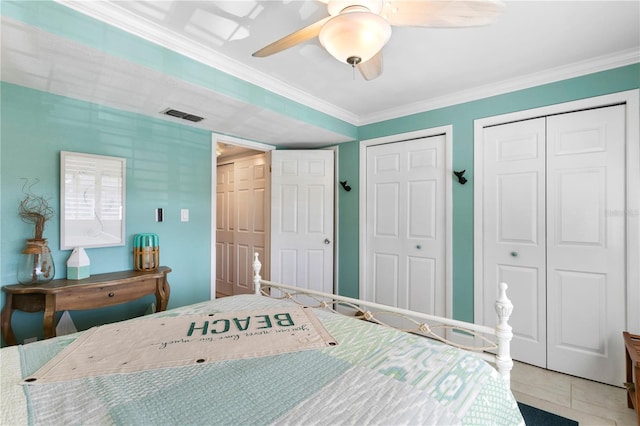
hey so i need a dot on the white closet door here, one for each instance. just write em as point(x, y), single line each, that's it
point(554, 230)
point(302, 188)
point(225, 225)
point(514, 229)
point(586, 243)
point(406, 238)
point(249, 233)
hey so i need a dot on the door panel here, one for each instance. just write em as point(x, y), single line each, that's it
point(422, 209)
point(406, 241)
point(586, 264)
point(385, 278)
point(314, 265)
point(315, 208)
point(515, 245)
point(249, 232)
point(550, 184)
point(302, 218)
point(589, 314)
point(288, 208)
point(518, 222)
point(225, 207)
point(580, 215)
point(526, 324)
point(287, 265)
point(386, 204)
point(420, 268)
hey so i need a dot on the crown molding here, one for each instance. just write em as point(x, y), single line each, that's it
point(577, 69)
point(112, 14)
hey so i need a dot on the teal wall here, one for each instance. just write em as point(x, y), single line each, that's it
point(348, 207)
point(168, 166)
point(461, 117)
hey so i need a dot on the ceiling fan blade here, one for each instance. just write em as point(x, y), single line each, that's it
point(300, 36)
point(442, 13)
point(372, 68)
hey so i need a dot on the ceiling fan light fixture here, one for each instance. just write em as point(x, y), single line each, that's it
point(336, 6)
point(355, 34)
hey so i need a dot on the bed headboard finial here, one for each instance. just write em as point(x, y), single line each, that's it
point(256, 273)
point(504, 334)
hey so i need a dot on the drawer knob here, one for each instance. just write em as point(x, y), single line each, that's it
point(111, 294)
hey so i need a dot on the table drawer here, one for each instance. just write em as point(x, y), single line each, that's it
point(104, 295)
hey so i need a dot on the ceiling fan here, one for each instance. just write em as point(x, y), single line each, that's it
point(356, 30)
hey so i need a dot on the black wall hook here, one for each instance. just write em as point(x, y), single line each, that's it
point(345, 186)
point(460, 176)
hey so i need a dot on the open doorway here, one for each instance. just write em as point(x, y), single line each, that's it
point(289, 220)
point(240, 213)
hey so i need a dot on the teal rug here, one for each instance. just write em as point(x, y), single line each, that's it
point(536, 417)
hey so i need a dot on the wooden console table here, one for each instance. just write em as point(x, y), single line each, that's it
point(97, 291)
point(632, 343)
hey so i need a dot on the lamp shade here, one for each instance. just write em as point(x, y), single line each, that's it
point(355, 35)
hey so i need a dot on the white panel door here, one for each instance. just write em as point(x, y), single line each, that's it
point(250, 225)
point(405, 228)
point(586, 243)
point(225, 224)
point(514, 228)
point(302, 191)
point(554, 203)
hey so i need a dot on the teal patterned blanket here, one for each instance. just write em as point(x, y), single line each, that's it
point(376, 375)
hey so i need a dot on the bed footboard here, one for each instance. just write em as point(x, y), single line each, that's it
point(487, 340)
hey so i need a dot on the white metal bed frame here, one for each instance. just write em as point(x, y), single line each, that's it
point(422, 324)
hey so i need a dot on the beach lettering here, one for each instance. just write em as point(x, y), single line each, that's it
point(224, 325)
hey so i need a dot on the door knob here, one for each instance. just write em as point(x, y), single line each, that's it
point(418, 246)
point(327, 241)
point(514, 254)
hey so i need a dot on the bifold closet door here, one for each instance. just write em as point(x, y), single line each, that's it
point(514, 232)
point(586, 243)
point(552, 187)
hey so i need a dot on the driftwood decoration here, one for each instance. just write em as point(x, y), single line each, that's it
point(34, 209)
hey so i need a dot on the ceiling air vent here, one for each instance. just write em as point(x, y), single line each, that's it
point(183, 115)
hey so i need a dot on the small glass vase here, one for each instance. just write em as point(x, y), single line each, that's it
point(36, 264)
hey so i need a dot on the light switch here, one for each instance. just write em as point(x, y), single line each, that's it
point(184, 215)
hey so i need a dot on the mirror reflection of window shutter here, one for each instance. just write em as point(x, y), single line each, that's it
point(110, 201)
point(93, 190)
point(80, 197)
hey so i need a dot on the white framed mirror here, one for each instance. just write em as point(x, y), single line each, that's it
point(92, 200)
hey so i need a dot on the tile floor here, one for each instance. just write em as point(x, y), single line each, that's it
point(587, 402)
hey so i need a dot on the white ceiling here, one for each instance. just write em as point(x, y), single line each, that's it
point(534, 42)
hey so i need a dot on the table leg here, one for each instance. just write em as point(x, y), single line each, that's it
point(7, 312)
point(49, 316)
point(167, 293)
point(163, 291)
point(636, 384)
point(629, 371)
